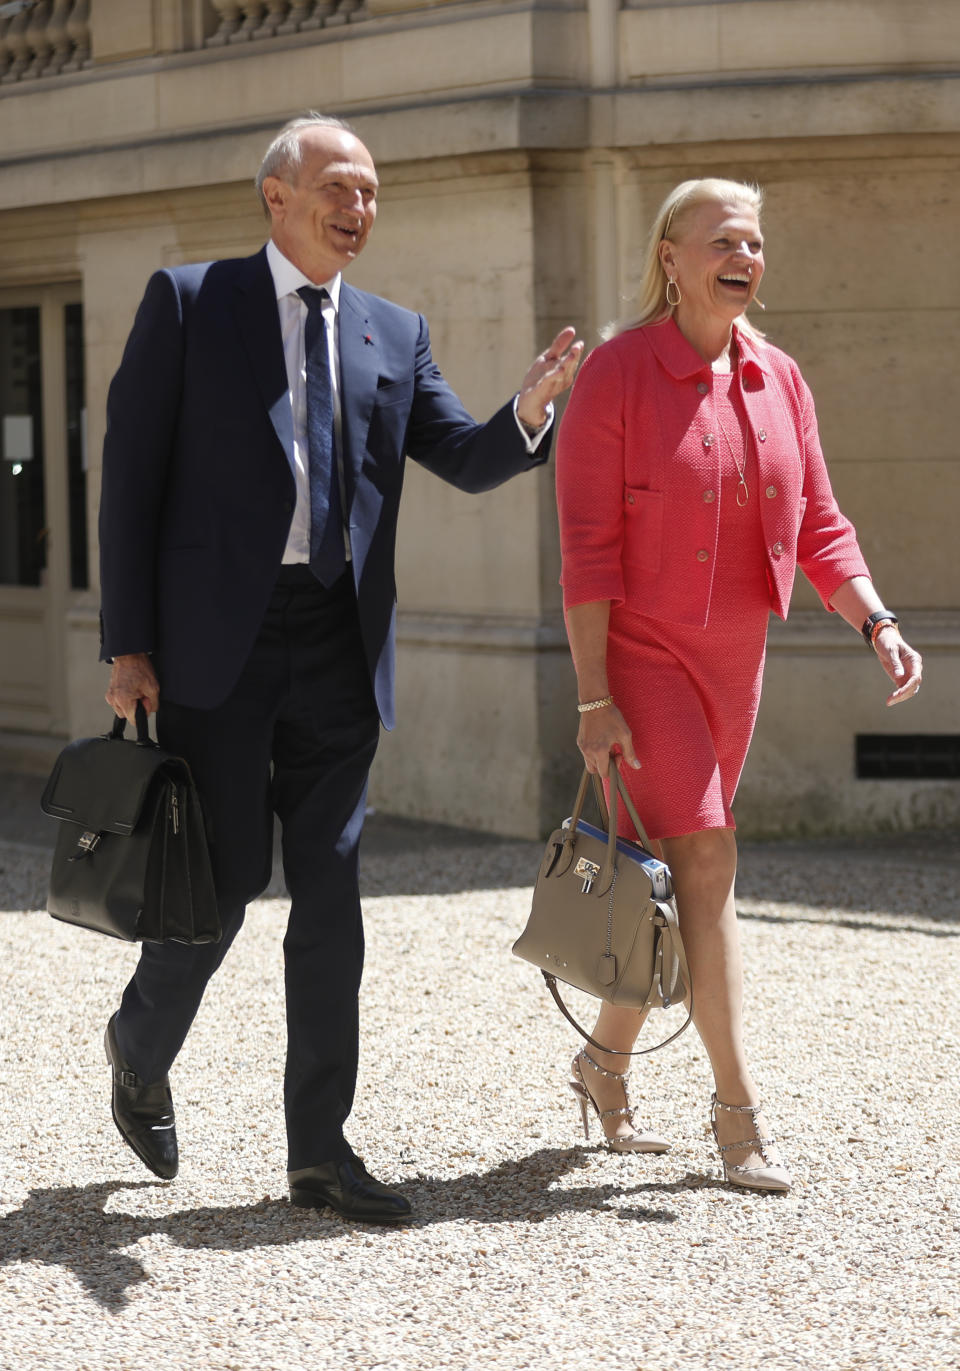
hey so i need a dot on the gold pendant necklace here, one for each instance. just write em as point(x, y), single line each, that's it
point(742, 488)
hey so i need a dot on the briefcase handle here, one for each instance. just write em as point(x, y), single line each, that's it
point(143, 727)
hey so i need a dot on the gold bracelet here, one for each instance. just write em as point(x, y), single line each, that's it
point(595, 704)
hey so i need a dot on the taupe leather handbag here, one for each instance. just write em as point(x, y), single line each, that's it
point(603, 917)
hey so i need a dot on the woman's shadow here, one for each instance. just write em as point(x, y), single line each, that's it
point(69, 1226)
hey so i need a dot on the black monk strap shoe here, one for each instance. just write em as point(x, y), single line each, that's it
point(143, 1113)
point(348, 1188)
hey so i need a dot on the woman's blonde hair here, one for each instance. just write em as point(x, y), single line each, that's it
point(652, 304)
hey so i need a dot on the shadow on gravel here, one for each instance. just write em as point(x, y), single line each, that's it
point(872, 922)
point(909, 876)
point(68, 1226)
point(525, 1191)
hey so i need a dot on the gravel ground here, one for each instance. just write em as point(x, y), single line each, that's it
point(530, 1248)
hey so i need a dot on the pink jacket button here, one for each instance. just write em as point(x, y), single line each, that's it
point(777, 549)
point(703, 555)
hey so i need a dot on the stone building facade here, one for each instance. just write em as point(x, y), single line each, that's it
point(523, 147)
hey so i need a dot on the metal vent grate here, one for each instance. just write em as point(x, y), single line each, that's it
point(908, 756)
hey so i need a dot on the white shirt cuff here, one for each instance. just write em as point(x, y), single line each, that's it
point(534, 440)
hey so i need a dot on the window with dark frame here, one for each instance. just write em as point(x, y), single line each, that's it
point(76, 445)
point(23, 532)
point(908, 756)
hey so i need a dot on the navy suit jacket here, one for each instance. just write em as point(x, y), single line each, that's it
point(198, 489)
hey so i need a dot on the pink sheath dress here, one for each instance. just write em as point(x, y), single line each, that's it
point(690, 695)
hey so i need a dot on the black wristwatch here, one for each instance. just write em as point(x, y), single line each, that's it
point(882, 616)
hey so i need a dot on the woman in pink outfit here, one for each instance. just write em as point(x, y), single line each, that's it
point(690, 485)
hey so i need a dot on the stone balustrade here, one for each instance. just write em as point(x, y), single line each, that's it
point(48, 38)
point(243, 20)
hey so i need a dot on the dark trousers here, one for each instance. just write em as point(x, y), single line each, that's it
point(296, 737)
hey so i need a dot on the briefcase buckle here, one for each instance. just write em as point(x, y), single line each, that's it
point(87, 842)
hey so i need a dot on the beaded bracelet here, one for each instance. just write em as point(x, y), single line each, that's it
point(878, 628)
point(595, 704)
point(881, 618)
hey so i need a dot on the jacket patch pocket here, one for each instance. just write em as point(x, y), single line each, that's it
point(642, 528)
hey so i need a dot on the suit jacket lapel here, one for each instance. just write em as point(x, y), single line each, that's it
point(359, 370)
point(259, 325)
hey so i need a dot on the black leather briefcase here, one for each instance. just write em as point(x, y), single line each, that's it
point(131, 858)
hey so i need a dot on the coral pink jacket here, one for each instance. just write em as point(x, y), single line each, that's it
point(638, 478)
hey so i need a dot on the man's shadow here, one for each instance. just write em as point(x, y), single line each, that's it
point(68, 1226)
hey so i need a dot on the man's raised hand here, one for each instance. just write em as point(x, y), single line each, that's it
point(550, 375)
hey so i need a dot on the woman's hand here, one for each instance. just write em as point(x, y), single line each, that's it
point(902, 664)
point(603, 731)
point(855, 600)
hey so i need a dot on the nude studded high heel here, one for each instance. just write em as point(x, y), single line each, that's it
point(629, 1142)
point(766, 1177)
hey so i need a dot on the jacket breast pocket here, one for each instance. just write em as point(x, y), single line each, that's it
point(642, 528)
point(393, 392)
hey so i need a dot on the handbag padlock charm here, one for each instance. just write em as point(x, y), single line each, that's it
point(589, 871)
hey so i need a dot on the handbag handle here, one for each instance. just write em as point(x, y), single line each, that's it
point(625, 795)
point(608, 817)
point(143, 727)
point(620, 788)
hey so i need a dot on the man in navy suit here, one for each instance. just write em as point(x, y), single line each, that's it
point(256, 437)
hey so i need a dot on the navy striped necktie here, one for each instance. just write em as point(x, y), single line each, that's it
point(327, 555)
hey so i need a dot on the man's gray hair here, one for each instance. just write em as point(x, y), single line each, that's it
point(284, 156)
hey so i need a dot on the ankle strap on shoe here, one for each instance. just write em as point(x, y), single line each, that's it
point(753, 1109)
point(758, 1144)
point(602, 1070)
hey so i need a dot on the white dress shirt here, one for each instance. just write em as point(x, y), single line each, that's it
point(287, 280)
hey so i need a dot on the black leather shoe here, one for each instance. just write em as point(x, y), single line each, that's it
point(348, 1188)
point(143, 1113)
